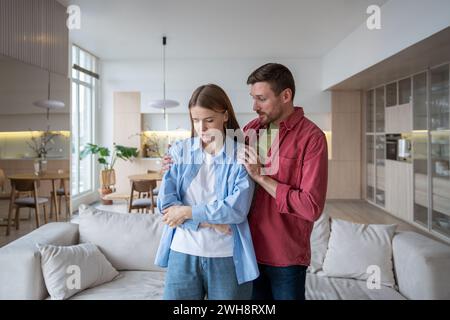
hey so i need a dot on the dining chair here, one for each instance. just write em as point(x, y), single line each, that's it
point(19, 186)
point(62, 191)
point(2, 183)
point(145, 199)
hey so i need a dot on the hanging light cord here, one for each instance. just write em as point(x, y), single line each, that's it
point(164, 73)
point(49, 80)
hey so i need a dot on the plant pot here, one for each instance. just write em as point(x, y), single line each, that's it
point(108, 178)
point(104, 192)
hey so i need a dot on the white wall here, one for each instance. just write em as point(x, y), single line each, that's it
point(404, 23)
point(185, 75)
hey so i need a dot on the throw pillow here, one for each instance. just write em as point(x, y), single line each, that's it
point(356, 250)
point(72, 269)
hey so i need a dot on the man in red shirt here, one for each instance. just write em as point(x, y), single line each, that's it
point(287, 202)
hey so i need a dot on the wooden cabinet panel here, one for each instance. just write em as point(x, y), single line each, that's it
point(399, 119)
point(399, 191)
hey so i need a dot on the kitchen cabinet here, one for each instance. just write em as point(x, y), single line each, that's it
point(431, 144)
point(420, 168)
point(419, 191)
point(399, 119)
point(379, 109)
point(399, 189)
point(391, 95)
point(375, 146)
point(380, 157)
point(404, 91)
point(370, 167)
point(440, 168)
point(420, 102)
point(370, 111)
point(439, 98)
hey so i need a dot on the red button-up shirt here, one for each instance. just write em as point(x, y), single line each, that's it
point(281, 227)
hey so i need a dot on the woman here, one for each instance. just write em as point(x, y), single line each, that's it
point(205, 197)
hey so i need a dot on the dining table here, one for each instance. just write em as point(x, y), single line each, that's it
point(146, 176)
point(47, 176)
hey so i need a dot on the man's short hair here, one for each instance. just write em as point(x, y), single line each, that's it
point(278, 76)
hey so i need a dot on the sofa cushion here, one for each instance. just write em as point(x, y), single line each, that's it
point(129, 285)
point(354, 249)
point(68, 270)
point(422, 267)
point(20, 261)
point(128, 240)
point(319, 242)
point(326, 288)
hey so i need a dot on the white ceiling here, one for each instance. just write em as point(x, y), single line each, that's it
point(132, 29)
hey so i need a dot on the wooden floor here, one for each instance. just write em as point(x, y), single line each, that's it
point(357, 211)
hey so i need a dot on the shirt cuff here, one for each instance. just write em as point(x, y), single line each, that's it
point(281, 197)
point(198, 213)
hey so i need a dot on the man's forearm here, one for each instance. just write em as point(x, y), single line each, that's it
point(269, 184)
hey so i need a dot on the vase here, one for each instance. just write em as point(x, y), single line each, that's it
point(40, 166)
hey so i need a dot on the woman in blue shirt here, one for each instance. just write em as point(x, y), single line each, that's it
point(205, 197)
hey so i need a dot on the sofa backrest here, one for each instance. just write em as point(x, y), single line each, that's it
point(422, 266)
point(20, 261)
point(128, 240)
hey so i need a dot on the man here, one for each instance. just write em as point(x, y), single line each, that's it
point(288, 201)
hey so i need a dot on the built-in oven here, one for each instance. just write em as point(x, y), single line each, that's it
point(398, 147)
point(392, 146)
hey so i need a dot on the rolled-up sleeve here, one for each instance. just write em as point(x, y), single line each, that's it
point(307, 201)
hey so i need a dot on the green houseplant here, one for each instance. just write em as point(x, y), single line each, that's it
point(108, 159)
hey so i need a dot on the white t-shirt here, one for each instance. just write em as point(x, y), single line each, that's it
point(205, 242)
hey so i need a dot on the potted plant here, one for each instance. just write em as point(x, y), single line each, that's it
point(108, 159)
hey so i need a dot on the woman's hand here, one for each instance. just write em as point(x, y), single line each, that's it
point(166, 163)
point(221, 228)
point(176, 215)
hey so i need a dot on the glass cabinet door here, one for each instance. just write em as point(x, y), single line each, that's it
point(391, 95)
point(404, 91)
point(440, 154)
point(380, 153)
point(370, 167)
point(420, 167)
point(379, 109)
point(439, 98)
point(370, 112)
point(440, 160)
point(420, 102)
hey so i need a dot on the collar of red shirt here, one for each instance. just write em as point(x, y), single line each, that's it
point(292, 120)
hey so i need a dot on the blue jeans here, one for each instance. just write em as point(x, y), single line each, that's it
point(192, 278)
point(280, 283)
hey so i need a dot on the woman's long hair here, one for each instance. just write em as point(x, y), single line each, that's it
point(211, 96)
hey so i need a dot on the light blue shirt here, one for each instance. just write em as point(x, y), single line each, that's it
point(234, 192)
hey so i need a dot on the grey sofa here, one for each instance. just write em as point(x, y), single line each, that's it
point(421, 265)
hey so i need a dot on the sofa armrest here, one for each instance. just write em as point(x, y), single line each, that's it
point(20, 261)
point(422, 267)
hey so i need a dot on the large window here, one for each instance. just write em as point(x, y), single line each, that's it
point(84, 97)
